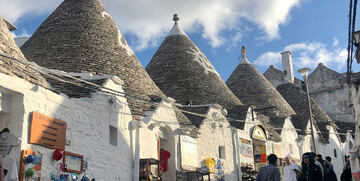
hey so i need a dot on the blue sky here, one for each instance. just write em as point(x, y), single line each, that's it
point(313, 30)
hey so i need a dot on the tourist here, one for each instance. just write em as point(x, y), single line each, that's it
point(318, 163)
point(270, 172)
point(346, 174)
point(328, 159)
point(319, 159)
point(309, 171)
point(329, 174)
point(289, 170)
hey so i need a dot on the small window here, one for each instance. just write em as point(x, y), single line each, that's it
point(113, 135)
point(335, 154)
point(291, 149)
point(222, 152)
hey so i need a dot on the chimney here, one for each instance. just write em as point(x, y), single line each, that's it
point(287, 66)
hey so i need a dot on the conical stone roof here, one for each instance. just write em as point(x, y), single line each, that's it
point(80, 36)
point(183, 72)
point(297, 99)
point(11, 67)
point(252, 88)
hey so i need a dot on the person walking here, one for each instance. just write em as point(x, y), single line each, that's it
point(319, 163)
point(328, 159)
point(329, 174)
point(289, 170)
point(319, 159)
point(309, 171)
point(346, 174)
point(269, 172)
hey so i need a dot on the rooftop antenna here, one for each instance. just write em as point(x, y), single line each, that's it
point(176, 18)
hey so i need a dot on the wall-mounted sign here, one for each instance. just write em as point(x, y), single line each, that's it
point(258, 133)
point(47, 131)
point(73, 162)
point(188, 149)
point(245, 147)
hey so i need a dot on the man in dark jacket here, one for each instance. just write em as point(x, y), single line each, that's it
point(329, 174)
point(309, 171)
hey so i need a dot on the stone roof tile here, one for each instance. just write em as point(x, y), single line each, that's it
point(12, 67)
point(297, 99)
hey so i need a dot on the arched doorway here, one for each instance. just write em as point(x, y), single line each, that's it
point(258, 136)
point(166, 143)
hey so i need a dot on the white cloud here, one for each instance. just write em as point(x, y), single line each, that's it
point(15, 10)
point(148, 21)
point(268, 58)
point(307, 55)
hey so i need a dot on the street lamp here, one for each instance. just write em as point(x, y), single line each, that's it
point(304, 72)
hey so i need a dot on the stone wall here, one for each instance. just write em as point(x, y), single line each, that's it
point(329, 89)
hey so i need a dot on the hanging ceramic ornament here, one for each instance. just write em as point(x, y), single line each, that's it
point(29, 158)
point(58, 154)
point(30, 172)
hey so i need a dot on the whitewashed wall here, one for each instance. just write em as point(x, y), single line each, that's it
point(288, 137)
point(215, 132)
point(328, 150)
point(149, 135)
point(88, 121)
point(355, 100)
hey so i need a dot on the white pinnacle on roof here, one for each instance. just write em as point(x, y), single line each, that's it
point(243, 58)
point(176, 29)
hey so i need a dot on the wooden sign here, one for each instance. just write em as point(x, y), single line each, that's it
point(47, 131)
point(73, 162)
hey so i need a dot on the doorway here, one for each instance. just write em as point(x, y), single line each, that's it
point(259, 146)
point(166, 142)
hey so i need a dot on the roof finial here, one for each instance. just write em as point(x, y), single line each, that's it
point(176, 18)
point(243, 51)
point(243, 58)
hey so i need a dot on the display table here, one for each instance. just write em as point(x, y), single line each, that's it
point(146, 173)
point(185, 175)
point(248, 174)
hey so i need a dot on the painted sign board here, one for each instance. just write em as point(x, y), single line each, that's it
point(48, 132)
point(245, 147)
